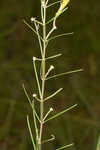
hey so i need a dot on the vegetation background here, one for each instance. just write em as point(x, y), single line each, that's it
point(81, 50)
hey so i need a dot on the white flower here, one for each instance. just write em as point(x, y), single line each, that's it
point(34, 95)
point(34, 58)
point(32, 19)
point(51, 67)
point(51, 109)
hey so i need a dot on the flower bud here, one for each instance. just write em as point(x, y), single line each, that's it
point(34, 95)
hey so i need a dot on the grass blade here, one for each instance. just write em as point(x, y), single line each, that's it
point(60, 113)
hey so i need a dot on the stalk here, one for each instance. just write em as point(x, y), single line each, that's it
point(43, 41)
point(43, 65)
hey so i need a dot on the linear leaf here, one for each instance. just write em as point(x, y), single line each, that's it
point(60, 113)
point(64, 146)
point(60, 35)
point(30, 102)
point(35, 124)
point(54, 56)
point(51, 20)
point(59, 90)
point(55, 17)
point(65, 73)
point(36, 115)
point(32, 29)
point(39, 37)
point(30, 26)
point(37, 79)
point(30, 131)
point(53, 4)
point(49, 140)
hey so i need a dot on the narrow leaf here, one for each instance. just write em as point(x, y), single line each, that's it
point(65, 73)
point(36, 115)
point(54, 56)
point(39, 37)
point(53, 4)
point(64, 146)
point(60, 35)
point(59, 90)
point(35, 124)
point(60, 113)
point(51, 20)
point(27, 95)
point(37, 79)
point(30, 131)
point(49, 140)
point(30, 101)
point(32, 29)
point(55, 17)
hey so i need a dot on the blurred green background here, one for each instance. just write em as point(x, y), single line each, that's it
point(81, 50)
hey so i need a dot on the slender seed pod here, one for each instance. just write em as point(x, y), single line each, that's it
point(63, 4)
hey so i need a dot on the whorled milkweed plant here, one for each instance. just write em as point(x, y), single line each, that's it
point(44, 74)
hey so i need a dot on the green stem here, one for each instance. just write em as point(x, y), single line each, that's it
point(43, 66)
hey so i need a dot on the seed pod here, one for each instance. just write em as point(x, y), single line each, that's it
point(63, 4)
